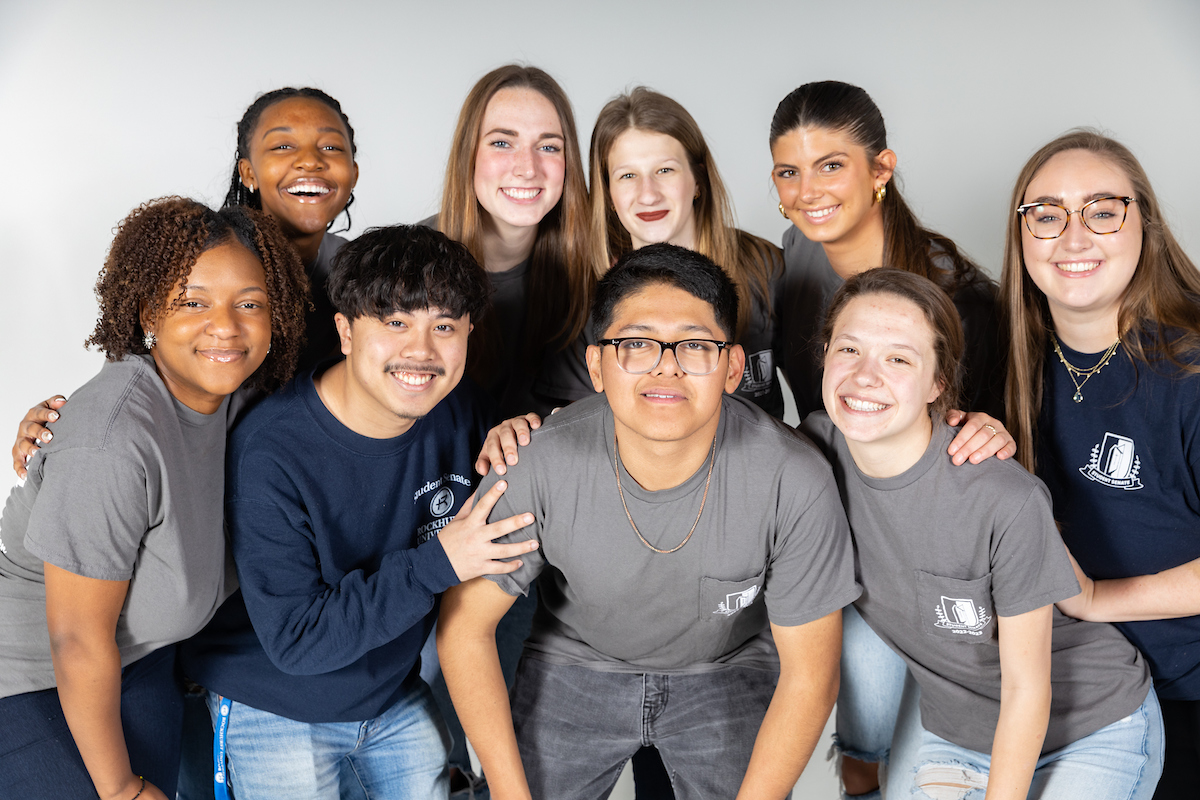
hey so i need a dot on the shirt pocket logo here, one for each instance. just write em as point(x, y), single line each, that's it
point(955, 608)
point(727, 598)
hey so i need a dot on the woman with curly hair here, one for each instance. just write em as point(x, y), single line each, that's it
point(113, 549)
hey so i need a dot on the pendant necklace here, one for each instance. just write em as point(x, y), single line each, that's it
point(712, 459)
point(1074, 373)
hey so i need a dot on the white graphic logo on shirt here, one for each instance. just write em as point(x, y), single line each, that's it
point(441, 502)
point(1113, 463)
point(736, 601)
point(961, 615)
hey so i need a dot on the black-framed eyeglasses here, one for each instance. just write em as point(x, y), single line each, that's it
point(638, 355)
point(1104, 215)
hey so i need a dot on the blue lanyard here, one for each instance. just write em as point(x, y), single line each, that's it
point(220, 773)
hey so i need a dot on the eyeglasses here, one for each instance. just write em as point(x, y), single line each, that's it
point(694, 356)
point(1103, 215)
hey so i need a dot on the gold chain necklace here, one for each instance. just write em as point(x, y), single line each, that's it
point(1086, 374)
point(712, 459)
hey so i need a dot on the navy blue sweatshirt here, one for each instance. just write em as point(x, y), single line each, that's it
point(335, 540)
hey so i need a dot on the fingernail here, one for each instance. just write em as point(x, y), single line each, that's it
point(523, 439)
point(501, 485)
point(529, 521)
point(511, 458)
point(54, 416)
point(47, 436)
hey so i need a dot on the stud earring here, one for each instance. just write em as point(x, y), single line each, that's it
point(784, 213)
point(880, 193)
point(149, 340)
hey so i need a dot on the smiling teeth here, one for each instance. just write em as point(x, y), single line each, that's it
point(414, 379)
point(863, 405)
point(1078, 266)
point(522, 194)
point(661, 396)
point(307, 188)
point(824, 212)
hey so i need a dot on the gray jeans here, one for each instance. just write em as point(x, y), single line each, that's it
point(576, 727)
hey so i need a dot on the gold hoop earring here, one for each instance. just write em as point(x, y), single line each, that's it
point(880, 193)
point(784, 213)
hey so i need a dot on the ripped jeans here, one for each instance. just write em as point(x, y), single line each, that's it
point(1121, 761)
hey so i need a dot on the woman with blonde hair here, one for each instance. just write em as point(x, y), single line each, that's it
point(654, 179)
point(1103, 390)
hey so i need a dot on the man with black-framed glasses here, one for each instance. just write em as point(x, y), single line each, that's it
point(693, 560)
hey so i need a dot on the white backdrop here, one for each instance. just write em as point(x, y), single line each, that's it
point(105, 105)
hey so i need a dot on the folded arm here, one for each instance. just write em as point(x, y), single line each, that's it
point(1168, 594)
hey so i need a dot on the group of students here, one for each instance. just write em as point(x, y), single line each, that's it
point(698, 585)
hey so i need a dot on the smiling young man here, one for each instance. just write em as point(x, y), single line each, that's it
point(693, 562)
point(340, 498)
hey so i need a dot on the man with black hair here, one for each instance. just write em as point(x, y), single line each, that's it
point(693, 561)
point(341, 498)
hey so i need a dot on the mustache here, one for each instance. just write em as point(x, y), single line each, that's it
point(403, 367)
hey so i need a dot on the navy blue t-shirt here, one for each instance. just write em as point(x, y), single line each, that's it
point(335, 540)
point(1122, 467)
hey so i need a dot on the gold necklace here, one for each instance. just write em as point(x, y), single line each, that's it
point(1086, 374)
point(712, 459)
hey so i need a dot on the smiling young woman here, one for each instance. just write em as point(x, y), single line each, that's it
point(295, 161)
point(515, 194)
point(1104, 398)
point(960, 567)
point(836, 181)
point(114, 548)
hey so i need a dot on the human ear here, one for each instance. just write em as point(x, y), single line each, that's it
point(737, 366)
point(593, 365)
point(936, 391)
point(246, 174)
point(885, 165)
point(344, 332)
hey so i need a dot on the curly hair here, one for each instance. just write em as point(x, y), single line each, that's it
point(154, 251)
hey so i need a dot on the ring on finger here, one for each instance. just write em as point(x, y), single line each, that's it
point(990, 428)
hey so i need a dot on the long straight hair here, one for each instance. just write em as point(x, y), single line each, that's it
point(561, 281)
point(1159, 316)
point(748, 259)
point(837, 106)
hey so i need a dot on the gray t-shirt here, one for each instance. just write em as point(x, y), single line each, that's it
point(940, 551)
point(771, 526)
point(131, 488)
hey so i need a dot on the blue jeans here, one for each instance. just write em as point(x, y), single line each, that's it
point(399, 754)
point(577, 727)
point(1121, 761)
point(869, 698)
point(38, 756)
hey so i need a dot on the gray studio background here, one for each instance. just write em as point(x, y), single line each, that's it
point(104, 105)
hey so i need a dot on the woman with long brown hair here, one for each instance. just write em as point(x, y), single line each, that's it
point(1103, 390)
point(515, 194)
